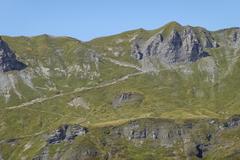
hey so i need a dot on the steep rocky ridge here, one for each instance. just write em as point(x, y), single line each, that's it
point(183, 44)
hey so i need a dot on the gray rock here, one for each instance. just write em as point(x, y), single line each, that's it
point(166, 133)
point(236, 38)
point(8, 59)
point(126, 98)
point(179, 46)
point(79, 102)
point(82, 152)
point(141, 134)
point(200, 150)
point(195, 141)
point(43, 155)
point(1, 158)
point(74, 131)
point(232, 122)
point(66, 133)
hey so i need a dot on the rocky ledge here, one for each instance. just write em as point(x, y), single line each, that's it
point(196, 139)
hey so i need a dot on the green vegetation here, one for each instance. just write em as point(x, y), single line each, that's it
point(62, 68)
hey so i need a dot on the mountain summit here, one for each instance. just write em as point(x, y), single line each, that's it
point(181, 44)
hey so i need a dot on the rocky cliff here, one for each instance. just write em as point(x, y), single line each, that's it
point(8, 61)
point(188, 139)
point(182, 44)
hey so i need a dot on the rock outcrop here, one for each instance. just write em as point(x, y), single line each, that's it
point(194, 140)
point(8, 59)
point(66, 133)
point(1, 157)
point(183, 45)
point(167, 133)
point(236, 38)
point(126, 98)
point(232, 122)
point(79, 102)
point(43, 155)
point(83, 152)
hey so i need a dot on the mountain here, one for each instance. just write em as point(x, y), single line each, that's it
point(168, 93)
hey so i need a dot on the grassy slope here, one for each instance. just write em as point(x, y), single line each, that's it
point(170, 94)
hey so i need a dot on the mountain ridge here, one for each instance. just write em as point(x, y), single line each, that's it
point(143, 29)
point(98, 100)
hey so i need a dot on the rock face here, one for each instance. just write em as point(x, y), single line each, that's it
point(194, 141)
point(179, 46)
point(83, 152)
point(1, 157)
point(8, 59)
point(236, 38)
point(232, 122)
point(126, 98)
point(66, 133)
point(43, 155)
point(166, 132)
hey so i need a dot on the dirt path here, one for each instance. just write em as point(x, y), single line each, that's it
point(124, 64)
point(43, 99)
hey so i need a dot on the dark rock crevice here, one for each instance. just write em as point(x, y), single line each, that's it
point(236, 37)
point(201, 148)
